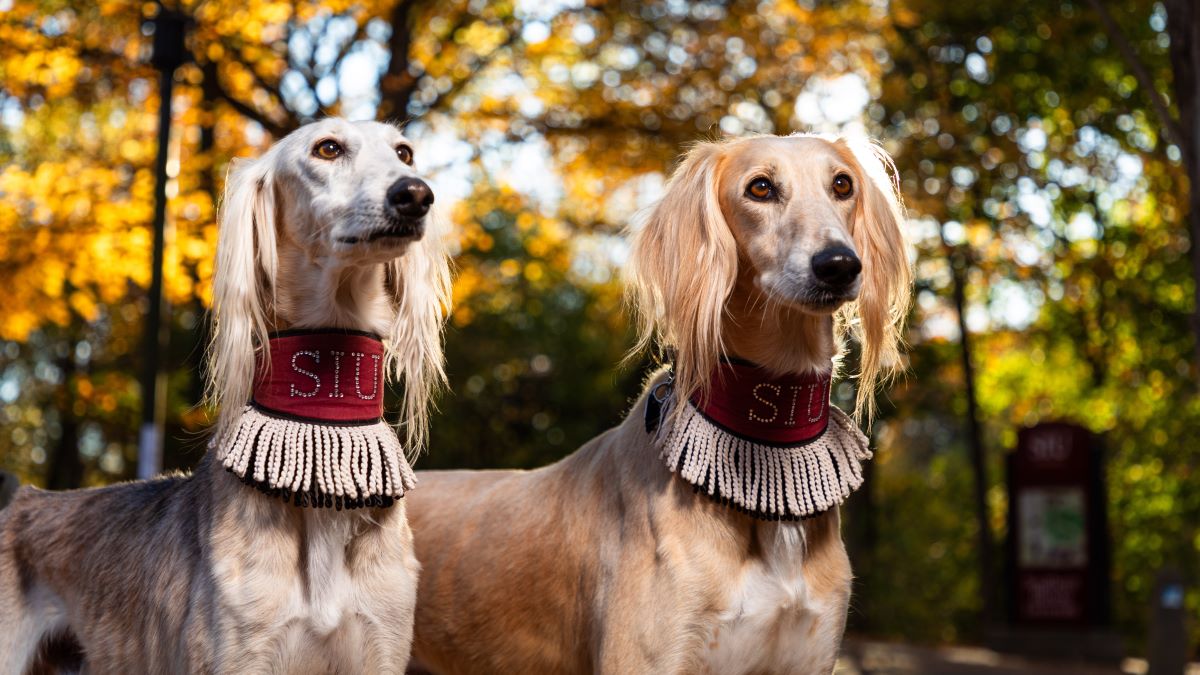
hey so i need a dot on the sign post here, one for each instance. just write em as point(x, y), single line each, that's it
point(1058, 547)
point(1057, 555)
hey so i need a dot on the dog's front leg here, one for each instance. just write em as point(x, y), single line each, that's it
point(370, 646)
point(29, 609)
point(627, 654)
point(652, 638)
point(386, 571)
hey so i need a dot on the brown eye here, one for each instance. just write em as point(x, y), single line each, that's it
point(760, 189)
point(405, 154)
point(843, 187)
point(328, 149)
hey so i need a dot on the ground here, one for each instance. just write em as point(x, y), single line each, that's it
point(866, 657)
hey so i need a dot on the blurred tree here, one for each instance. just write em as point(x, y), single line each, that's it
point(1182, 131)
point(604, 96)
point(534, 341)
point(1029, 151)
point(1183, 24)
point(1033, 157)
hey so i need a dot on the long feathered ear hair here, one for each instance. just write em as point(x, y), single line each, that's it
point(243, 289)
point(683, 266)
point(876, 319)
point(419, 284)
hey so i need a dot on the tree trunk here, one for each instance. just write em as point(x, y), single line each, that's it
point(959, 266)
point(398, 84)
point(65, 470)
point(987, 556)
point(1183, 26)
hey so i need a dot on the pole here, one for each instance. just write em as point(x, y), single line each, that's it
point(168, 56)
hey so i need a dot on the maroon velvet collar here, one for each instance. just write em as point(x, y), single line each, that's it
point(326, 376)
point(748, 401)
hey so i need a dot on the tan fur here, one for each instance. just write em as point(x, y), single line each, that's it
point(607, 562)
point(199, 573)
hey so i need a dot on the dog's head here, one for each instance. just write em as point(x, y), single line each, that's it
point(802, 226)
point(331, 227)
point(343, 190)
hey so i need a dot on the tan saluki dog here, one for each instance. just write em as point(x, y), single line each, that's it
point(330, 228)
point(608, 562)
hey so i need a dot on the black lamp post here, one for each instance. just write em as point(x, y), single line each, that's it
point(169, 53)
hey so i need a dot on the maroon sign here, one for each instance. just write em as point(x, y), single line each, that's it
point(1057, 547)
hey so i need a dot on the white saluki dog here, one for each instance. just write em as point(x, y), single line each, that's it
point(331, 229)
point(700, 535)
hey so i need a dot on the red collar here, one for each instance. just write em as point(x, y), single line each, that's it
point(747, 401)
point(324, 375)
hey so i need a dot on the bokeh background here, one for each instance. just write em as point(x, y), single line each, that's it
point(1043, 149)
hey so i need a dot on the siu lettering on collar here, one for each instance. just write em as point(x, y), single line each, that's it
point(322, 377)
point(781, 410)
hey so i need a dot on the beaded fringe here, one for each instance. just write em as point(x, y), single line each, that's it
point(320, 465)
point(765, 481)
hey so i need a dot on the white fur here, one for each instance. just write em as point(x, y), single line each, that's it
point(45, 615)
point(769, 597)
point(332, 617)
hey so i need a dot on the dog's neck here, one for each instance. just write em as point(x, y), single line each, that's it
point(780, 338)
point(328, 293)
point(307, 436)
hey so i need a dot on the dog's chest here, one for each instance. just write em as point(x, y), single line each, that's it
point(313, 595)
point(773, 621)
point(326, 594)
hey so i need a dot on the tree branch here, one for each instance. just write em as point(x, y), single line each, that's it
point(360, 32)
point(480, 63)
point(236, 47)
point(274, 128)
point(1170, 125)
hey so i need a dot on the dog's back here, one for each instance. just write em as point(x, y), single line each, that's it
point(515, 564)
point(467, 538)
point(101, 567)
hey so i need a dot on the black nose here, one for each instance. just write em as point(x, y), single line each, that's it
point(410, 197)
point(836, 266)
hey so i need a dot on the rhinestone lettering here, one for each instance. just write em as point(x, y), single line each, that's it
point(358, 375)
point(337, 375)
point(754, 417)
point(316, 356)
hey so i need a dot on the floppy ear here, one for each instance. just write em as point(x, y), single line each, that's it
point(419, 284)
point(886, 292)
point(242, 286)
point(683, 266)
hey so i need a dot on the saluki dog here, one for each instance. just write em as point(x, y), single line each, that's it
point(762, 254)
point(330, 229)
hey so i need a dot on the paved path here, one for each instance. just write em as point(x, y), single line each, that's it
point(865, 657)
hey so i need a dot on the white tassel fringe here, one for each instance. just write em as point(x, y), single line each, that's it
point(335, 465)
point(771, 482)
